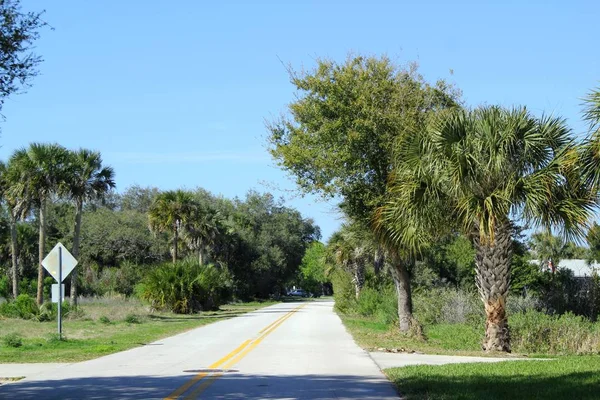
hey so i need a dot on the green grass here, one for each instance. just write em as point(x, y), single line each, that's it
point(575, 377)
point(101, 329)
point(571, 377)
point(438, 339)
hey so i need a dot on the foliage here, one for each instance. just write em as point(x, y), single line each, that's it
point(266, 244)
point(49, 311)
point(341, 136)
point(593, 241)
point(447, 306)
point(380, 303)
point(343, 291)
point(536, 332)
point(12, 340)
point(313, 269)
point(4, 287)
point(186, 287)
point(170, 213)
point(137, 198)
point(489, 167)
point(109, 238)
point(24, 306)
point(132, 319)
point(18, 63)
point(339, 139)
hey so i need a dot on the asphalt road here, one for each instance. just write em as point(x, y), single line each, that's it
point(286, 351)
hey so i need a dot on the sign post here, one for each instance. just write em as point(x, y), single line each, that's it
point(59, 299)
point(59, 263)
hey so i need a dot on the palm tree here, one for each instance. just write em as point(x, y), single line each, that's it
point(591, 151)
point(87, 180)
point(491, 167)
point(18, 208)
point(171, 212)
point(40, 172)
point(201, 230)
point(353, 248)
point(550, 249)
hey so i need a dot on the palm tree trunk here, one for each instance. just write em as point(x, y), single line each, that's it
point(378, 260)
point(402, 282)
point(175, 245)
point(359, 278)
point(13, 250)
point(76, 242)
point(492, 260)
point(41, 249)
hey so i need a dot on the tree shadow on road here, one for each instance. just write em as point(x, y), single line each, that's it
point(228, 386)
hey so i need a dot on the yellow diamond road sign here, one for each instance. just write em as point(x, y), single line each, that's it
point(51, 262)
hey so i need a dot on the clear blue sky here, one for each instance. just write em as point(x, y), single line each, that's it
point(175, 93)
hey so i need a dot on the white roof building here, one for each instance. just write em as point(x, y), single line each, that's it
point(580, 268)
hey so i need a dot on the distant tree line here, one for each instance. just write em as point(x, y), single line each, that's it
point(52, 194)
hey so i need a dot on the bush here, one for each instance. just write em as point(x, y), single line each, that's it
point(186, 287)
point(382, 303)
point(104, 319)
point(536, 332)
point(23, 307)
point(448, 306)
point(343, 291)
point(49, 311)
point(4, 287)
point(12, 340)
point(132, 319)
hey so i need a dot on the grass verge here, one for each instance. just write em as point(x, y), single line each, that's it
point(445, 339)
point(574, 377)
point(102, 327)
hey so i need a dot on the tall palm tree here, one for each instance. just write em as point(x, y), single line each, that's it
point(591, 151)
point(40, 174)
point(171, 212)
point(18, 208)
point(491, 167)
point(86, 179)
point(201, 230)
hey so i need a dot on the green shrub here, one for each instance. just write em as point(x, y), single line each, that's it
point(186, 287)
point(23, 306)
point(4, 287)
point(104, 319)
point(536, 332)
point(49, 311)
point(343, 291)
point(381, 303)
point(387, 311)
point(12, 340)
point(132, 319)
point(28, 286)
point(368, 302)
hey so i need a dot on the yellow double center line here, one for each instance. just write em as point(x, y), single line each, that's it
point(228, 361)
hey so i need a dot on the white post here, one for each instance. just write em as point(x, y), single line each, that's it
point(59, 293)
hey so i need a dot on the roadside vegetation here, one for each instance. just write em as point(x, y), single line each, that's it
point(562, 378)
point(101, 326)
point(436, 196)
